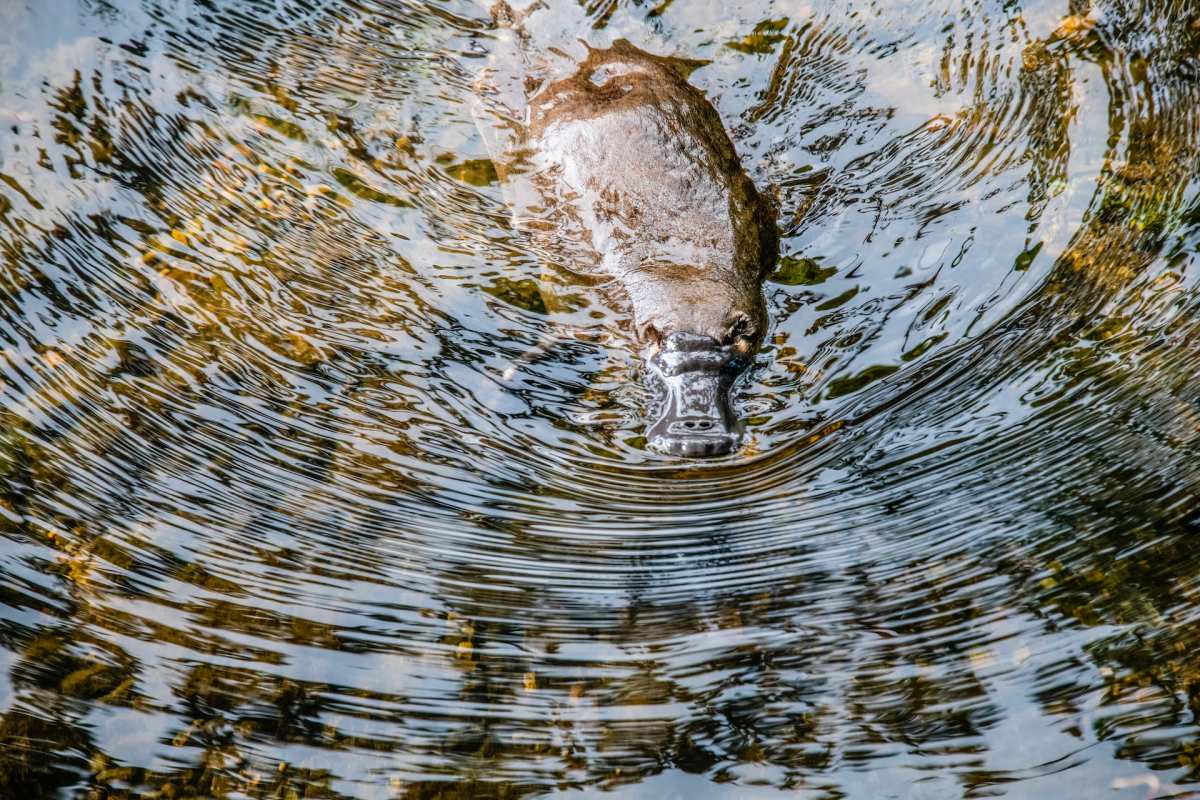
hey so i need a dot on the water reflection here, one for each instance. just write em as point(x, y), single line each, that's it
point(274, 522)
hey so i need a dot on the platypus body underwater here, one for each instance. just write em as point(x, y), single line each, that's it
point(620, 153)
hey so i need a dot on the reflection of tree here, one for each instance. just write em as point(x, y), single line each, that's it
point(902, 670)
point(91, 433)
point(1126, 562)
point(25, 739)
point(1127, 558)
point(1122, 407)
point(61, 668)
point(1119, 550)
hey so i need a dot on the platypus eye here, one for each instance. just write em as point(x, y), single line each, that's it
point(740, 332)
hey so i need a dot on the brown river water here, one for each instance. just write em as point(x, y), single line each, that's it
point(273, 524)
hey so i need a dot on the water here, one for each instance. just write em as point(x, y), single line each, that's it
point(274, 524)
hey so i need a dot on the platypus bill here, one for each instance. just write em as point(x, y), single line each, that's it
point(628, 159)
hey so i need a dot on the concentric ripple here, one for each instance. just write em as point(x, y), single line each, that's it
point(280, 518)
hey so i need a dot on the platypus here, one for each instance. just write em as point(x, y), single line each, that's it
point(626, 157)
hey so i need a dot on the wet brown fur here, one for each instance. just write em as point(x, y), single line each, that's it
point(640, 162)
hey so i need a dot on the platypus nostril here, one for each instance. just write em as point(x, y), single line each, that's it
point(696, 444)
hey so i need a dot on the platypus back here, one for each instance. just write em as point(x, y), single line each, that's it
point(622, 161)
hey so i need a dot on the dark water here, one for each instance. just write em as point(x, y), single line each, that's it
point(274, 526)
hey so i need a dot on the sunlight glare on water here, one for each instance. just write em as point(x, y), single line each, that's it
point(275, 523)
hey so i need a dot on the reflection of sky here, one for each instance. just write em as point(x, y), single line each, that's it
point(570, 559)
point(44, 44)
point(46, 40)
point(7, 659)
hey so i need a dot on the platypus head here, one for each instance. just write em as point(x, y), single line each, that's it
point(698, 334)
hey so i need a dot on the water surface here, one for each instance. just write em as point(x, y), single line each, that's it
point(274, 524)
